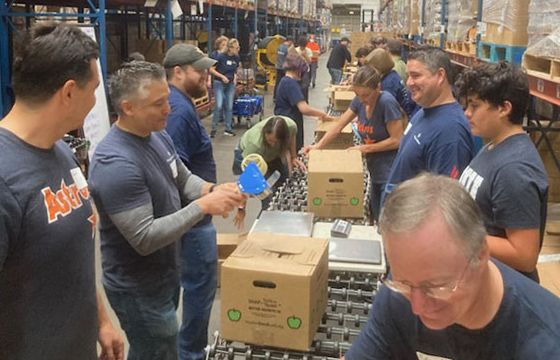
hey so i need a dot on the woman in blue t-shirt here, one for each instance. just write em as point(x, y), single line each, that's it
point(290, 101)
point(391, 81)
point(224, 86)
point(380, 126)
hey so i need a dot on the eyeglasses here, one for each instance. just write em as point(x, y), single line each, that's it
point(440, 292)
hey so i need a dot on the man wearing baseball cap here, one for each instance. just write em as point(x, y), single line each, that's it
point(186, 69)
point(339, 55)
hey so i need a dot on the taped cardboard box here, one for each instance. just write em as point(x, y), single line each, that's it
point(342, 141)
point(274, 291)
point(335, 183)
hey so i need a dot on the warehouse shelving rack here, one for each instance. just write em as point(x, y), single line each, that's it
point(159, 24)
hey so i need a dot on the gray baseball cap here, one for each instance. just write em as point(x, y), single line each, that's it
point(186, 54)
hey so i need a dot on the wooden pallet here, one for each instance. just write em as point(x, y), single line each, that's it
point(201, 101)
point(500, 52)
point(461, 47)
point(433, 42)
point(542, 66)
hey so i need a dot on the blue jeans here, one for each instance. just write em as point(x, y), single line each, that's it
point(149, 320)
point(224, 94)
point(336, 76)
point(199, 270)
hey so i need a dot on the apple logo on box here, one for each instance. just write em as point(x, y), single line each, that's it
point(234, 314)
point(294, 322)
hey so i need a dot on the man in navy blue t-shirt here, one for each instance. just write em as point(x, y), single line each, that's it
point(199, 255)
point(437, 138)
point(49, 306)
point(445, 296)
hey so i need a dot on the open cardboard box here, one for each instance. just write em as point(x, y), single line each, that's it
point(343, 140)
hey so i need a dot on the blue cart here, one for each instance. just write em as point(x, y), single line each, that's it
point(247, 106)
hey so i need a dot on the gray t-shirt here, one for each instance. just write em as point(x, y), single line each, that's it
point(128, 172)
point(48, 306)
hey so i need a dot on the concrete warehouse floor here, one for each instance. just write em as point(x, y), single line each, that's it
point(223, 153)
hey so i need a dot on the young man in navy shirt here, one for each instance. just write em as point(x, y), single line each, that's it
point(507, 178)
point(437, 138)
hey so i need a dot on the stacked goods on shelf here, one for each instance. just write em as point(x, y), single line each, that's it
point(542, 59)
point(432, 19)
point(544, 18)
point(414, 18)
point(360, 39)
point(461, 28)
point(407, 17)
point(272, 4)
point(505, 36)
point(293, 6)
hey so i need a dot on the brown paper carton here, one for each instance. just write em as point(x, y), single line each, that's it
point(343, 140)
point(342, 100)
point(227, 243)
point(274, 291)
point(335, 183)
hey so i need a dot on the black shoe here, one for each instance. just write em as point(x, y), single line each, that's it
point(229, 133)
point(213, 134)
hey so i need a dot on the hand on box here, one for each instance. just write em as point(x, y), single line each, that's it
point(326, 117)
point(308, 148)
point(360, 148)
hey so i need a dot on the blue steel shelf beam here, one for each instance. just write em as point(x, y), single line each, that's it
point(96, 16)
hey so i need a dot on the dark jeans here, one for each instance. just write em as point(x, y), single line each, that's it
point(375, 200)
point(280, 73)
point(199, 257)
point(313, 71)
point(149, 320)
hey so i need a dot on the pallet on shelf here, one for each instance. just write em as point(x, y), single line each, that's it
point(462, 47)
point(201, 100)
point(542, 66)
point(499, 52)
point(435, 42)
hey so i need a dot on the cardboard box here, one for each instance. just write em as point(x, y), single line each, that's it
point(342, 99)
point(342, 141)
point(274, 291)
point(227, 243)
point(335, 184)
